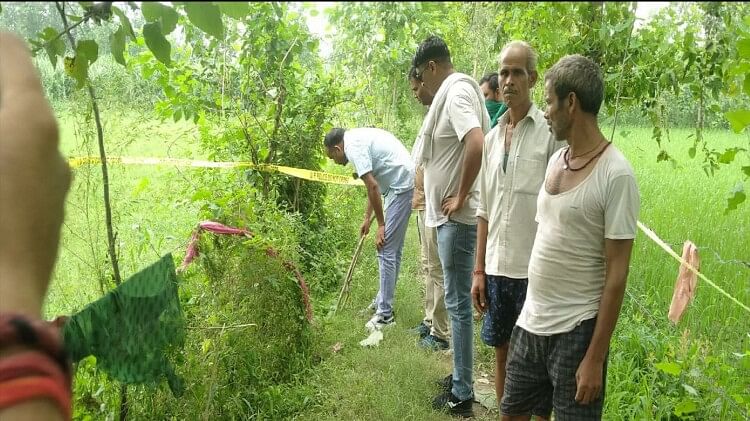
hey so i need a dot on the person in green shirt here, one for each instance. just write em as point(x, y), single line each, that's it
point(493, 97)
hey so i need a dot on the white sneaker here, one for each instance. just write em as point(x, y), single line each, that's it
point(378, 322)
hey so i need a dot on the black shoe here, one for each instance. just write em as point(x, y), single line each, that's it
point(433, 343)
point(421, 329)
point(449, 403)
point(446, 383)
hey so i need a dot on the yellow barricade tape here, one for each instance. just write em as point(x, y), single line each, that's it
point(655, 238)
point(322, 177)
point(338, 179)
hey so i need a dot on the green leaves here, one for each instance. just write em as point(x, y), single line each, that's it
point(737, 196)
point(206, 346)
point(201, 194)
point(673, 369)
point(664, 156)
point(87, 51)
point(142, 185)
point(168, 20)
point(728, 156)
point(743, 48)
point(152, 34)
point(53, 48)
point(688, 43)
point(234, 10)
point(151, 11)
point(124, 21)
point(685, 407)
point(207, 17)
point(739, 119)
point(99, 12)
point(157, 12)
point(117, 44)
point(690, 389)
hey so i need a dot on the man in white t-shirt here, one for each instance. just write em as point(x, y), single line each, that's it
point(434, 328)
point(386, 168)
point(450, 148)
point(515, 157)
point(587, 212)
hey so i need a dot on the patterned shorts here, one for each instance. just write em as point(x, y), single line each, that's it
point(505, 297)
point(541, 373)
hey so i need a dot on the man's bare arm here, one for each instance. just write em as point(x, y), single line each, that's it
point(474, 143)
point(589, 375)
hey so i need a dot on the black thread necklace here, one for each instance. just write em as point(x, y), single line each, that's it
point(567, 165)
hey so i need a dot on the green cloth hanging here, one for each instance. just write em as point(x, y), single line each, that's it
point(134, 329)
point(495, 109)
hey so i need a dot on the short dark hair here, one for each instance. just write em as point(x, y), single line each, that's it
point(334, 137)
point(581, 75)
point(433, 48)
point(491, 80)
point(412, 73)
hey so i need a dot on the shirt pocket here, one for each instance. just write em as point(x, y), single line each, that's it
point(529, 175)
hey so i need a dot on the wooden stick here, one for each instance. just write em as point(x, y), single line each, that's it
point(344, 294)
point(349, 274)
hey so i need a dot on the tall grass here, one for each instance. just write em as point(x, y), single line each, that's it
point(151, 213)
point(710, 346)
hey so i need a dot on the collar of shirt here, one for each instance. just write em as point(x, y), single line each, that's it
point(534, 114)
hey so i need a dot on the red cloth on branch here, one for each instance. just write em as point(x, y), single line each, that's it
point(217, 228)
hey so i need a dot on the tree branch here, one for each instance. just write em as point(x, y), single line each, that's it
point(107, 206)
point(248, 140)
point(66, 31)
point(281, 96)
point(102, 156)
point(277, 122)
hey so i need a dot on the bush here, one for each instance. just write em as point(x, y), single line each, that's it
point(239, 371)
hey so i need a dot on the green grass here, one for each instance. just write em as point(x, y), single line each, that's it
point(153, 215)
point(395, 380)
point(684, 204)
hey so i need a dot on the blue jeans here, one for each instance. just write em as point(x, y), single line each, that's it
point(456, 243)
point(389, 257)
